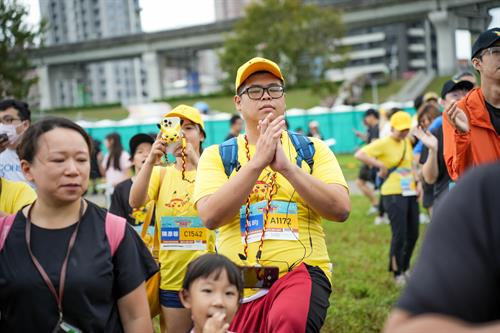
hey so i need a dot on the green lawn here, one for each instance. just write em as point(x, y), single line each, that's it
point(363, 290)
point(385, 91)
point(113, 113)
point(349, 165)
point(437, 84)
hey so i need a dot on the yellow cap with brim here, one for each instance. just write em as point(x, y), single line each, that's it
point(255, 65)
point(187, 112)
point(401, 121)
point(430, 96)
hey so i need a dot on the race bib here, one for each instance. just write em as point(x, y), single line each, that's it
point(407, 183)
point(183, 233)
point(282, 221)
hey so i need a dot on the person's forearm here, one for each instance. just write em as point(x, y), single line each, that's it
point(139, 190)
point(331, 201)
point(138, 325)
point(368, 160)
point(435, 323)
point(134, 311)
point(430, 169)
point(220, 207)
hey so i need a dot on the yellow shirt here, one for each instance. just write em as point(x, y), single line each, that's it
point(282, 253)
point(173, 198)
point(15, 195)
point(389, 151)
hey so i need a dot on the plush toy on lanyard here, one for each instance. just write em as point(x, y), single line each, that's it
point(139, 214)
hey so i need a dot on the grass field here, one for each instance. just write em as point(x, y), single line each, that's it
point(363, 289)
point(437, 84)
point(385, 91)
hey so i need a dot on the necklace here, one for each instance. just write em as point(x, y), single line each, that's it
point(272, 191)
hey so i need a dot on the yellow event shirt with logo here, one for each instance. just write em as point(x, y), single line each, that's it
point(15, 195)
point(281, 253)
point(389, 151)
point(173, 198)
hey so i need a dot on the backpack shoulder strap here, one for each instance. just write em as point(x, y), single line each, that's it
point(115, 231)
point(228, 151)
point(304, 147)
point(5, 226)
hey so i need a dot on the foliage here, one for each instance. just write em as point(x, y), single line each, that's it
point(15, 38)
point(299, 37)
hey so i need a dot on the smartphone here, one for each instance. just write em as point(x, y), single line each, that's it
point(259, 276)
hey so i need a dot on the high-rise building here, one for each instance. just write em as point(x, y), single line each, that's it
point(72, 21)
point(229, 9)
point(376, 51)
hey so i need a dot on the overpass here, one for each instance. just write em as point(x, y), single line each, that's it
point(431, 22)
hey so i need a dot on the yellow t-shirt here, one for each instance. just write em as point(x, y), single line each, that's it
point(275, 252)
point(389, 151)
point(15, 195)
point(173, 198)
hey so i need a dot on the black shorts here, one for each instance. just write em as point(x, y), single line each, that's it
point(367, 174)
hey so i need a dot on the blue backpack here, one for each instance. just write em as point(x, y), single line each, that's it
point(228, 151)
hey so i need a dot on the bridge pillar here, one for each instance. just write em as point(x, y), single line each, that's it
point(44, 84)
point(153, 64)
point(445, 25)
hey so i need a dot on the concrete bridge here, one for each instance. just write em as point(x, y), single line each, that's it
point(422, 31)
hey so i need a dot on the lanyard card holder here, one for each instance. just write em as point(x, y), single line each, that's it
point(63, 327)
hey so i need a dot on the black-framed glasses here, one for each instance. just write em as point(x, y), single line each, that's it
point(256, 92)
point(8, 120)
point(494, 50)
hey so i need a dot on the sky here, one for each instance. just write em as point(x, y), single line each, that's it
point(159, 15)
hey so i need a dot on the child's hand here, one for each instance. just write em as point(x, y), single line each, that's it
point(216, 324)
point(191, 154)
point(157, 151)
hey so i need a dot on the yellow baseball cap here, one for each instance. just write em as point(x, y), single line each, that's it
point(254, 65)
point(401, 121)
point(430, 96)
point(187, 112)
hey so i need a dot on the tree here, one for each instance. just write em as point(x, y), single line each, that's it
point(299, 37)
point(16, 36)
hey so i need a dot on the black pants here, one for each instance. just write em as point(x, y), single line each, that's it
point(404, 216)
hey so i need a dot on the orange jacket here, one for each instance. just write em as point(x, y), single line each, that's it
point(478, 146)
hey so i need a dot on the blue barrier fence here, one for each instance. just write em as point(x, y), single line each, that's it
point(336, 125)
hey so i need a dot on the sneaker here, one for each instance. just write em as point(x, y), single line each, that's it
point(379, 220)
point(372, 210)
point(407, 274)
point(424, 218)
point(400, 280)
